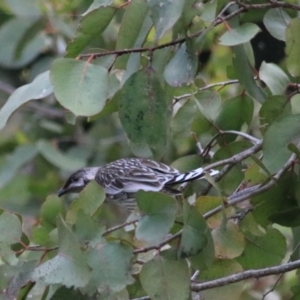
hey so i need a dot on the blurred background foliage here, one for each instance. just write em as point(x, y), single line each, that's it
point(200, 86)
point(40, 138)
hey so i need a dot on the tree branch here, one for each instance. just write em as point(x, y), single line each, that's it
point(197, 287)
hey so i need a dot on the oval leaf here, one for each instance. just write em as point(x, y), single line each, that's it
point(182, 67)
point(164, 14)
point(164, 279)
point(41, 87)
point(276, 80)
point(276, 21)
point(276, 140)
point(143, 110)
point(239, 35)
point(292, 47)
point(79, 86)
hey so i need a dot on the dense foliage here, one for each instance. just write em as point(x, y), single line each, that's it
point(189, 83)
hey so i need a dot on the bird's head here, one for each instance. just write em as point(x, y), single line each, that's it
point(78, 180)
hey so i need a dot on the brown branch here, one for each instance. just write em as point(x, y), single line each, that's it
point(245, 275)
point(219, 20)
point(160, 245)
point(252, 191)
point(119, 227)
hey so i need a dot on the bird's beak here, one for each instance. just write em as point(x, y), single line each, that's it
point(61, 192)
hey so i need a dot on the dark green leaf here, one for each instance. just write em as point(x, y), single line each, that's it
point(91, 25)
point(235, 112)
point(89, 200)
point(195, 234)
point(134, 28)
point(245, 74)
point(263, 251)
point(273, 108)
point(51, 209)
point(144, 110)
point(292, 47)
point(279, 198)
point(289, 217)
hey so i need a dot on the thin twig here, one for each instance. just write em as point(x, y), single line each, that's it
point(119, 227)
point(160, 245)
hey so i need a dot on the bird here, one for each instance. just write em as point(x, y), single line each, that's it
point(121, 179)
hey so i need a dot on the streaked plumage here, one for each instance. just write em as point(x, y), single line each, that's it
point(122, 178)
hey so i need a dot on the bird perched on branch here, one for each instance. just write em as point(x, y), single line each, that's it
point(122, 178)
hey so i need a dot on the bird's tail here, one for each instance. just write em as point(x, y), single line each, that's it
point(192, 175)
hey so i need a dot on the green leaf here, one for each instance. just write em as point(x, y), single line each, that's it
point(79, 86)
point(20, 156)
point(164, 14)
point(134, 28)
point(276, 139)
point(24, 8)
point(111, 269)
point(96, 4)
point(288, 218)
point(208, 103)
point(184, 118)
point(195, 237)
point(90, 26)
point(10, 233)
point(276, 21)
point(89, 200)
point(292, 47)
point(19, 27)
point(263, 251)
point(59, 159)
point(87, 230)
point(182, 68)
point(275, 79)
point(273, 108)
point(219, 269)
point(280, 198)
point(239, 35)
point(158, 216)
point(143, 110)
point(69, 266)
point(165, 279)
point(235, 112)
point(244, 73)
point(51, 209)
point(39, 88)
point(229, 241)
